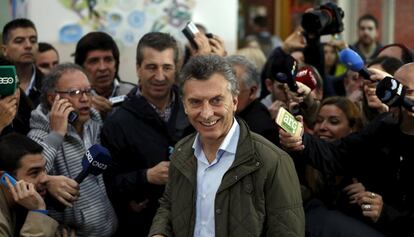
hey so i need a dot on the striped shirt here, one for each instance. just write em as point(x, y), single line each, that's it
point(92, 214)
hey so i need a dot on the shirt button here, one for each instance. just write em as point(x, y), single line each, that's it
point(257, 164)
point(218, 211)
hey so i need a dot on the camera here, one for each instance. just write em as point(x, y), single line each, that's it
point(324, 20)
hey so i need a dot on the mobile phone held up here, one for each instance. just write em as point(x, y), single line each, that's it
point(288, 122)
point(8, 80)
point(189, 31)
point(3, 179)
point(72, 117)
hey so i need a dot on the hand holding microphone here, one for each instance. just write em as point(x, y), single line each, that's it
point(95, 161)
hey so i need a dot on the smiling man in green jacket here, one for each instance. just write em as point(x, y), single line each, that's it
point(225, 180)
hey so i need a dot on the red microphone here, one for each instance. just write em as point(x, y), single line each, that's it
point(306, 76)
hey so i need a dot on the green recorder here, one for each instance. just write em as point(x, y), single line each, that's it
point(8, 80)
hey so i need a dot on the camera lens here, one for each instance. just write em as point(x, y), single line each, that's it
point(314, 22)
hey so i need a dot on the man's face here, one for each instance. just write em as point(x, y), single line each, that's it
point(210, 107)
point(156, 73)
point(76, 80)
point(32, 169)
point(22, 46)
point(367, 32)
point(101, 67)
point(46, 61)
point(277, 90)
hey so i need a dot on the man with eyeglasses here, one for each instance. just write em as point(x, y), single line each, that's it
point(98, 54)
point(67, 90)
point(20, 46)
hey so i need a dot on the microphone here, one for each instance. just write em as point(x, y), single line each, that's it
point(354, 62)
point(95, 161)
point(392, 93)
point(289, 68)
point(306, 76)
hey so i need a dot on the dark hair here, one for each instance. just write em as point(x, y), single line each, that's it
point(351, 110)
point(50, 81)
point(13, 147)
point(158, 41)
point(407, 55)
point(43, 47)
point(367, 17)
point(96, 41)
point(14, 24)
point(203, 67)
point(390, 64)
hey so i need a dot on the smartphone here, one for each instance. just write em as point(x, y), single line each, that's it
point(3, 179)
point(117, 100)
point(8, 80)
point(72, 117)
point(189, 31)
point(288, 122)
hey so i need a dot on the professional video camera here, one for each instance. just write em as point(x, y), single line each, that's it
point(324, 20)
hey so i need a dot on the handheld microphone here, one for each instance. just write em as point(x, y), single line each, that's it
point(354, 62)
point(284, 70)
point(95, 161)
point(392, 93)
point(306, 76)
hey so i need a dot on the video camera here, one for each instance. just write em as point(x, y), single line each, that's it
point(324, 20)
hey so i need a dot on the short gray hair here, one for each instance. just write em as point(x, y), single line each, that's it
point(50, 81)
point(203, 67)
point(251, 76)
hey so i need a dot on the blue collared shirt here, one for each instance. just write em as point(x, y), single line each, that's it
point(209, 178)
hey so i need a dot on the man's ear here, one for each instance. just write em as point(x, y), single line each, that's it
point(253, 92)
point(51, 98)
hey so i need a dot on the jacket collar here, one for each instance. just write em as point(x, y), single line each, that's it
point(246, 160)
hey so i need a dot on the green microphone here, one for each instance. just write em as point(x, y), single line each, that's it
point(8, 80)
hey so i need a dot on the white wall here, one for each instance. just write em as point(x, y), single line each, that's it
point(50, 15)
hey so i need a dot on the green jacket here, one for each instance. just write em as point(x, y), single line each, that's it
point(258, 196)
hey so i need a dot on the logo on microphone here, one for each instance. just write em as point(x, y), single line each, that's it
point(6, 80)
point(95, 163)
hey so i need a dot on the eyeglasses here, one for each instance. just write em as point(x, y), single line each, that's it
point(76, 93)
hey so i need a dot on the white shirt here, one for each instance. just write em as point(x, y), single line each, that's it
point(209, 177)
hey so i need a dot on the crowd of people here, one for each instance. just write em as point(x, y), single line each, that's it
point(194, 144)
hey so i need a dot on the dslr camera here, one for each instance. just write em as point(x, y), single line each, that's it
point(324, 20)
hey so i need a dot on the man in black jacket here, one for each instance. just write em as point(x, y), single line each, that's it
point(380, 155)
point(141, 135)
point(20, 46)
point(249, 107)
